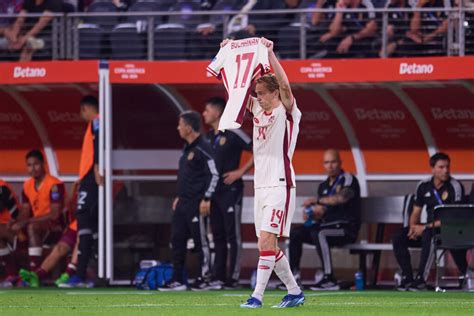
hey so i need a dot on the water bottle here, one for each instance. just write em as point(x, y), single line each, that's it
point(309, 211)
point(359, 281)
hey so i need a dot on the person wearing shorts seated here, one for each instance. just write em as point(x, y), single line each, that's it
point(65, 246)
point(42, 205)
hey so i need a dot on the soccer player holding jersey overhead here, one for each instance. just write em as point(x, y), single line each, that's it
point(276, 119)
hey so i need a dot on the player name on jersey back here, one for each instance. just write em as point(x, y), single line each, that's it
point(239, 63)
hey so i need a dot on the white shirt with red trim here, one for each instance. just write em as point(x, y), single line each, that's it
point(274, 142)
point(238, 63)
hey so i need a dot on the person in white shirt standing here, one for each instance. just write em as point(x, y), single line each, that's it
point(276, 119)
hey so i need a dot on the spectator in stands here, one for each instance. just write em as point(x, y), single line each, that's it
point(42, 206)
point(350, 34)
point(30, 34)
point(440, 189)
point(320, 18)
point(331, 219)
point(267, 25)
point(398, 25)
point(427, 30)
point(7, 7)
point(122, 5)
point(197, 180)
point(9, 211)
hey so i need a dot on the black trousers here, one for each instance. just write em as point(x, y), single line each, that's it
point(323, 236)
point(186, 223)
point(226, 217)
point(401, 243)
point(87, 215)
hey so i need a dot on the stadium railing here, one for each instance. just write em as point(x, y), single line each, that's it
point(50, 41)
point(174, 35)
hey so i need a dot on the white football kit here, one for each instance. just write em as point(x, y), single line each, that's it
point(274, 142)
point(238, 63)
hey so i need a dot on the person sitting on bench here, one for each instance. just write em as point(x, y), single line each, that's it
point(439, 189)
point(332, 219)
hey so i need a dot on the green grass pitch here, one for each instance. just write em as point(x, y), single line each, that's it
point(121, 301)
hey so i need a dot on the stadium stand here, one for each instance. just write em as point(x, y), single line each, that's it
point(187, 30)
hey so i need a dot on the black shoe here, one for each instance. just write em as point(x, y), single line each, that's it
point(404, 284)
point(418, 285)
point(173, 287)
point(328, 283)
point(232, 285)
point(200, 285)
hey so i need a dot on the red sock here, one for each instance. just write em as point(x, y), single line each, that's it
point(35, 255)
point(41, 274)
point(6, 260)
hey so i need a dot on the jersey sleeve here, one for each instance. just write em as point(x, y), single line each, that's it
point(320, 190)
point(419, 196)
point(214, 68)
point(212, 175)
point(8, 201)
point(295, 111)
point(459, 194)
point(56, 195)
point(95, 132)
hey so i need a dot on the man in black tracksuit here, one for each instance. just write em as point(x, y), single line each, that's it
point(226, 205)
point(440, 189)
point(332, 219)
point(197, 179)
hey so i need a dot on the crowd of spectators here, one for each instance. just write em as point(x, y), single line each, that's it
point(328, 34)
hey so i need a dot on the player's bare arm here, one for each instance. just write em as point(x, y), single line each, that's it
point(22, 219)
point(414, 231)
point(286, 94)
point(339, 198)
point(54, 213)
point(234, 175)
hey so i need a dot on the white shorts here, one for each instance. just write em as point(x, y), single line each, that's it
point(273, 210)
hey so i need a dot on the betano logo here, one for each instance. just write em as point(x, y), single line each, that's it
point(29, 72)
point(416, 69)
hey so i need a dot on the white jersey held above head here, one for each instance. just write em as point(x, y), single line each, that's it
point(238, 64)
point(274, 142)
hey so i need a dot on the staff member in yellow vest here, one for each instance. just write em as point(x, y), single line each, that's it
point(42, 203)
point(88, 194)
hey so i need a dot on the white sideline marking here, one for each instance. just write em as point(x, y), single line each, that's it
point(110, 293)
point(314, 304)
point(307, 295)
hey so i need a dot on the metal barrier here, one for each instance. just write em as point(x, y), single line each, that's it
point(197, 34)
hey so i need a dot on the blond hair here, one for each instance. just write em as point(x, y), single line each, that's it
point(270, 81)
